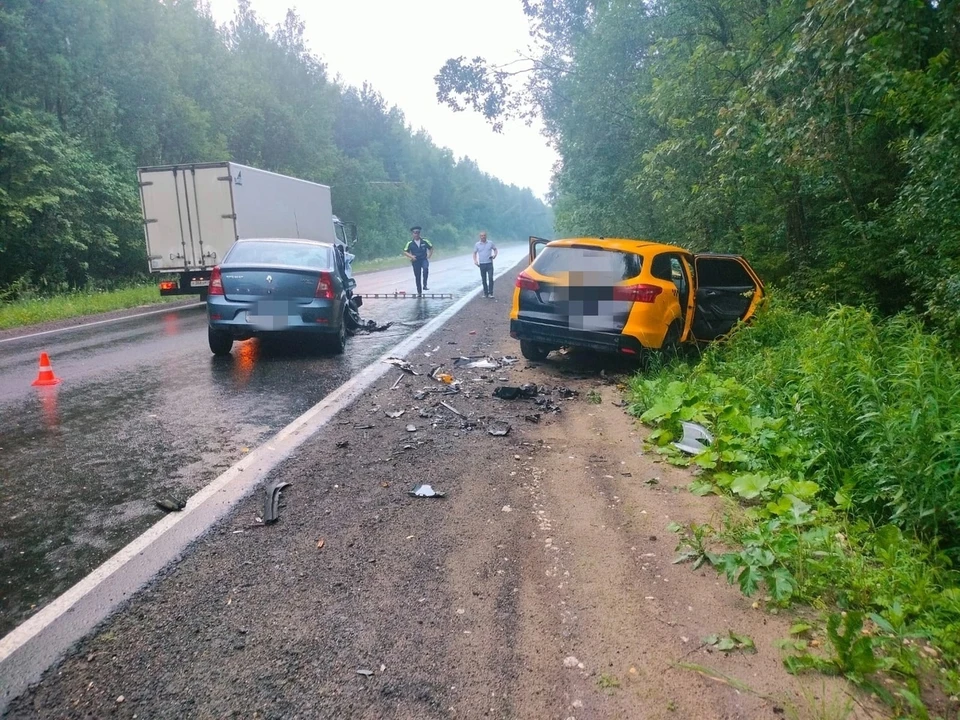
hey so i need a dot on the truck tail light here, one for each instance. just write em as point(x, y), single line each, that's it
point(525, 282)
point(325, 287)
point(637, 293)
point(216, 283)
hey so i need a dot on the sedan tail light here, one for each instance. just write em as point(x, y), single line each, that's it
point(525, 282)
point(637, 293)
point(325, 287)
point(216, 283)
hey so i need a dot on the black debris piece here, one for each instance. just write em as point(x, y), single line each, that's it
point(271, 501)
point(171, 504)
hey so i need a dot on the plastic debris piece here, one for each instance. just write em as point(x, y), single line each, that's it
point(696, 438)
point(393, 413)
point(507, 392)
point(509, 360)
point(411, 428)
point(320, 543)
point(425, 491)
point(499, 428)
point(342, 443)
point(534, 418)
point(365, 673)
point(394, 386)
point(402, 364)
point(451, 408)
point(445, 378)
point(271, 501)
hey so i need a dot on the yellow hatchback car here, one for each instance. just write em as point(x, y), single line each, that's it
point(627, 296)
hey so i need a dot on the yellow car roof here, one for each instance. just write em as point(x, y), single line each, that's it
point(623, 244)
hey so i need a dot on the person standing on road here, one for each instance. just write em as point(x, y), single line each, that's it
point(484, 253)
point(419, 250)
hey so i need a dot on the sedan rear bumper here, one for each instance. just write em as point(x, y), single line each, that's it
point(244, 319)
point(555, 336)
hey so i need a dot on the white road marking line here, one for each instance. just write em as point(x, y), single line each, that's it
point(102, 322)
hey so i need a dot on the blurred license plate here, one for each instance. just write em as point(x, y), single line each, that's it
point(200, 282)
point(270, 315)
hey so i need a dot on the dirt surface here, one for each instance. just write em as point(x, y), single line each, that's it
point(541, 586)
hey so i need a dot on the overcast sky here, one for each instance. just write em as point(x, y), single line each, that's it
point(399, 45)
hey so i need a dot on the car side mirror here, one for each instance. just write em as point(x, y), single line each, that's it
point(351, 284)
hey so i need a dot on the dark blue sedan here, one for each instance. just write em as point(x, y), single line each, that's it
point(268, 286)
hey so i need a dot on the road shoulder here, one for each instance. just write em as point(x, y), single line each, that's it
point(540, 586)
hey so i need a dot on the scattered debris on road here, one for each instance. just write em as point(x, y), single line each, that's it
point(171, 504)
point(393, 413)
point(425, 491)
point(402, 364)
point(480, 362)
point(451, 408)
point(499, 428)
point(271, 501)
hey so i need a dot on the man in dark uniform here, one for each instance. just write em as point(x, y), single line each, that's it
point(419, 250)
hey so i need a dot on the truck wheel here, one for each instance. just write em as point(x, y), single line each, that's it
point(220, 341)
point(532, 351)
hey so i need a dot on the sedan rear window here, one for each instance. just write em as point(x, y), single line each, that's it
point(273, 252)
point(599, 264)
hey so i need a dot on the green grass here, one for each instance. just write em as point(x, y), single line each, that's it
point(839, 438)
point(19, 313)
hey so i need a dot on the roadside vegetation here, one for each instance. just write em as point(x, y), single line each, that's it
point(837, 446)
point(33, 309)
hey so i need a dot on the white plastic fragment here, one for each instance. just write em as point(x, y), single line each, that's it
point(696, 438)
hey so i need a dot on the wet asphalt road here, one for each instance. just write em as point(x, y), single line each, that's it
point(143, 411)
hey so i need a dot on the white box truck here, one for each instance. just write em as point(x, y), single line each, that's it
point(193, 214)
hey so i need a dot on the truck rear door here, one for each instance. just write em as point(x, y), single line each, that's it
point(188, 216)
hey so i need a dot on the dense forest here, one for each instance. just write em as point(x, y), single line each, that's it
point(820, 139)
point(91, 89)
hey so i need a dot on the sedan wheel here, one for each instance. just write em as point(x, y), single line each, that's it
point(338, 343)
point(220, 341)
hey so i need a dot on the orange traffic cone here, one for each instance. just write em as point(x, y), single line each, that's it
point(46, 376)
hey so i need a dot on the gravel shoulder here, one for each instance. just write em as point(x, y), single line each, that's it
point(541, 586)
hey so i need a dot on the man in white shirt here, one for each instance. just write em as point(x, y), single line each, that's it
point(484, 253)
